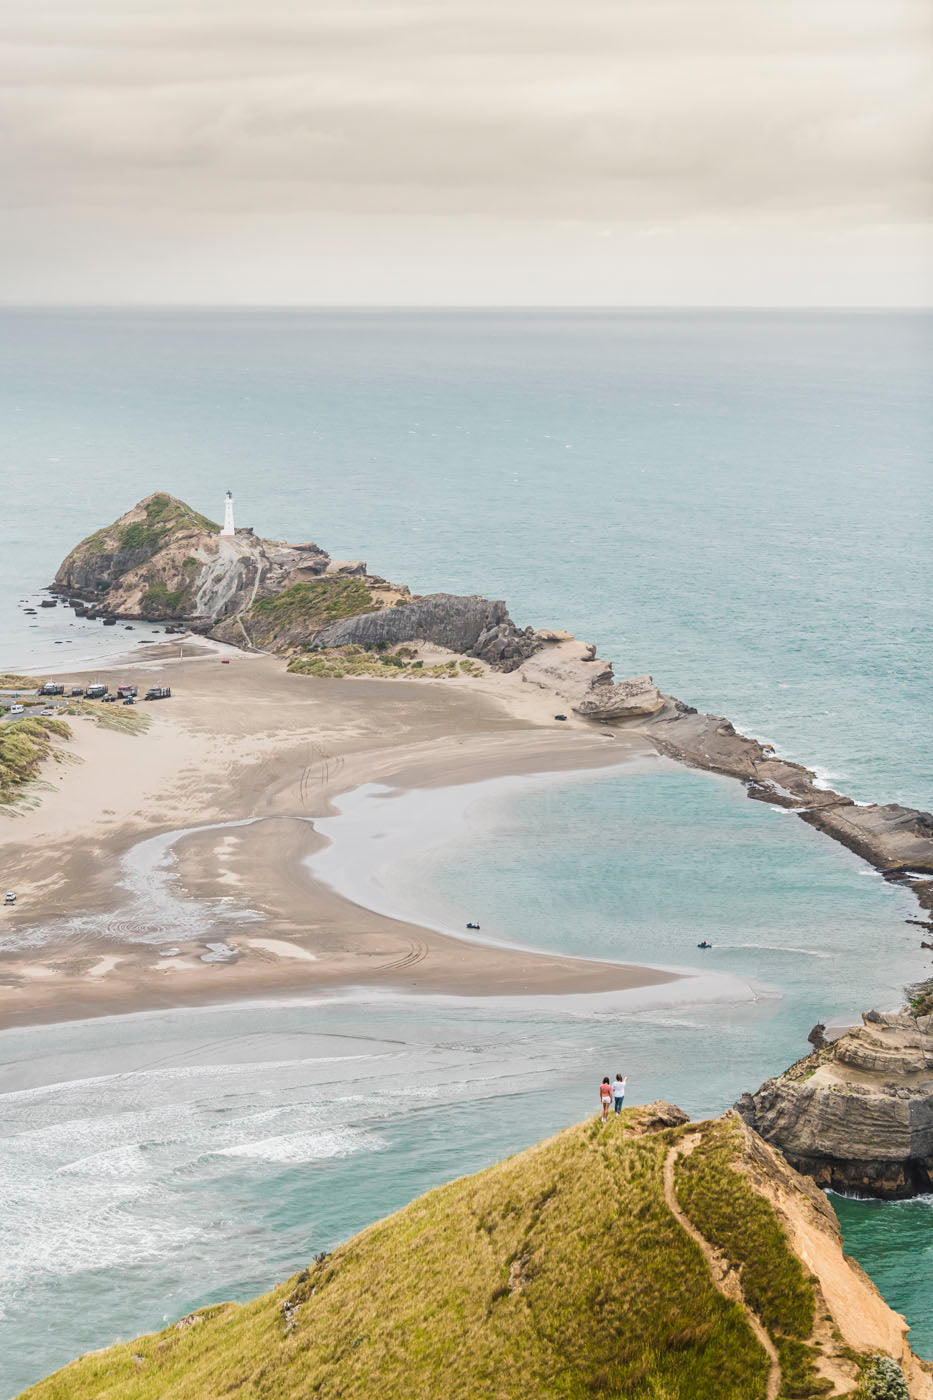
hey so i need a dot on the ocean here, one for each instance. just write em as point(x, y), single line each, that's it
point(736, 502)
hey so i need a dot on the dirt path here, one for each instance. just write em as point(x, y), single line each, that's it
point(724, 1275)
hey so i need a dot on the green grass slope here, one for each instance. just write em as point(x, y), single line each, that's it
point(560, 1274)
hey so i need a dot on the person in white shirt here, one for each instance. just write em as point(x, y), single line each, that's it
point(618, 1092)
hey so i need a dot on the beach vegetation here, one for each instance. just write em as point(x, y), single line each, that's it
point(10, 680)
point(883, 1379)
point(335, 663)
point(124, 719)
point(24, 746)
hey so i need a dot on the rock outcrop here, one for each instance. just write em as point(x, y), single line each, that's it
point(628, 699)
point(473, 626)
point(857, 1115)
point(896, 840)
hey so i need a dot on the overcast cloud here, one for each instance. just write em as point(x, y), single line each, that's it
point(646, 151)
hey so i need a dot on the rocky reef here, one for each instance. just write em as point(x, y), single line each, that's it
point(857, 1114)
point(896, 840)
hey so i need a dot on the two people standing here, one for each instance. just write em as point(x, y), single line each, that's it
point(612, 1093)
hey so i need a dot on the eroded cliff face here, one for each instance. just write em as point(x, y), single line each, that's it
point(857, 1115)
point(164, 562)
point(473, 626)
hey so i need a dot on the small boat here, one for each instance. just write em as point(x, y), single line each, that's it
point(473, 926)
point(704, 944)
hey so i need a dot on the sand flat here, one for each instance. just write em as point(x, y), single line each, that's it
point(247, 742)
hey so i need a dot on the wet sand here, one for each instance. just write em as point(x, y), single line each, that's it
point(246, 742)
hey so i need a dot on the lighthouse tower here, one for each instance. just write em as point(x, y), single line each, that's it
point(228, 515)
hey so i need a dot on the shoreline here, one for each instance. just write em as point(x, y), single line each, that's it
point(235, 747)
point(99, 953)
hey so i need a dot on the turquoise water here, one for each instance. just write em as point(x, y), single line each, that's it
point(737, 503)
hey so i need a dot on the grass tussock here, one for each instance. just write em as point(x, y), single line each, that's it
point(318, 601)
point(337, 662)
point(11, 681)
point(122, 719)
point(727, 1210)
point(559, 1274)
point(24, 746)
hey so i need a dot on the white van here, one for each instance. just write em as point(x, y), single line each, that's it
point(17, 709)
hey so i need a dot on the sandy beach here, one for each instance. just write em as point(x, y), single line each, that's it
point(147, 854)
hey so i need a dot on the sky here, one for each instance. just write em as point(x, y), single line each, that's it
point(466, 152)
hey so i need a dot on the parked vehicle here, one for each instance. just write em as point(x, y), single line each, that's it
point(129, 700)
point(96, 692)
point(125, 690)
point(50, 688)
point(76, 690)
point(17, 709)
point(10, 897)
point(158, 692)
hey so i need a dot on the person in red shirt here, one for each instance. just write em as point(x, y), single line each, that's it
point(605, 1097)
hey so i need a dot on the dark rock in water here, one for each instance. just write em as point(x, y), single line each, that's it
point(110, 622)
point(129, 627)
point(48, 603)
point(474, 626)
point(857, 1115)
point(817, 1036)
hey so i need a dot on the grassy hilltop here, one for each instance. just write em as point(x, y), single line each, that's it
point(635, 1260)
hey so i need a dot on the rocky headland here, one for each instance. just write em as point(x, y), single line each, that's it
point(856, 1115)
point(647, 1256)
point(164, 561)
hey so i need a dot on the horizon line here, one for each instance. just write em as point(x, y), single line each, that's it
point(862, 308)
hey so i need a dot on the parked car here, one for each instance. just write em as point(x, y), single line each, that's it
point(17, 709)
point(10, 897)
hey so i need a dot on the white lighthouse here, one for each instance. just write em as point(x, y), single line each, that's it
point(228, 515)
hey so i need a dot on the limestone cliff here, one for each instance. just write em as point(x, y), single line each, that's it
point(857, 1115)
point(646, 1257)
